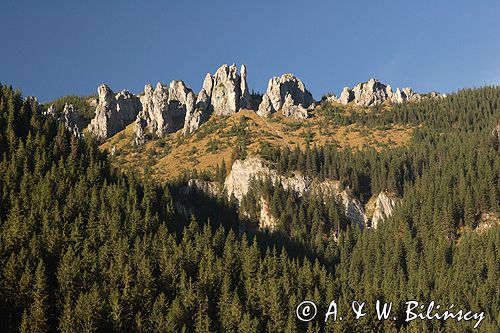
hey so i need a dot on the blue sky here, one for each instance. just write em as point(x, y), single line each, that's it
point(56, 48)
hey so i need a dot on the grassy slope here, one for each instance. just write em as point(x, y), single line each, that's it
point(168, 157)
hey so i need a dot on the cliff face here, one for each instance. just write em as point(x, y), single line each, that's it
point(113, 112)
point(227, 90)
point(164, 109)
point(381, 207)
point(238, 182)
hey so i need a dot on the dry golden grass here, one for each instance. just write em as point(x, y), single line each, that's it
point(168, 157)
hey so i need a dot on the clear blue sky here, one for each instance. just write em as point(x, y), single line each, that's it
point(55, 48)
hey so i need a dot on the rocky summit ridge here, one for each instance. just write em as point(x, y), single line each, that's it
point(165, 109)
point(373, 92)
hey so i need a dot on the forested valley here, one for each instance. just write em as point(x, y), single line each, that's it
point(86, 247)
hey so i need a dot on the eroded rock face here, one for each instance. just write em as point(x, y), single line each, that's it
point(69, 117)
point(238, 182)
point(265, 107)
point(72, 120)
point(373, 92)
point(113, 113)
point(346, 96)
point(245, 100)
point(181, 101)
point(165, 109)
point(286, 93)
point(381, 207)
point(370, 93)
point(155, 114)
point(266, 220)
point(227, 90)
point(194, 118)
point(140, 135)
point(289, 109)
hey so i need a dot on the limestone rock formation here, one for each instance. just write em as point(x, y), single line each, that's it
point(165, 109)
point(266, 220)
point(381, 207)
point(346, 96)
point(265, 107)
point(373, 92)
point(239, 180)
point(289, 109)
point(238, 183)
point(286, 93)
point(227, 90)
point(140, 135)
point(181, 101)
point(194, 118)
point(69, 117)
point(154, 112)
point(72, 120)
point(245, 100)
point(113, 113)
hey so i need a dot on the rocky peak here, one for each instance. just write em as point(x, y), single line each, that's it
point(286, 93)
point(228, 90)
point(113, 112)
point(181, 101)
point(164, 109)
point(155, 116)
point(373, 92)
point(245, 100)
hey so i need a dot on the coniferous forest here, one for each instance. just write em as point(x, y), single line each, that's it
point(85, 247)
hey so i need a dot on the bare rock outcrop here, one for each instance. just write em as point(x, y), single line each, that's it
point(288, 94)
point(346, 96)
point(113, 112)
point(72, 120)
point(381, 207)
point(373, 92)
point(237, 182)
point(266, 220)
point(155, 114)
point(227, 90)
point(181, 101)
point(289, 109)
point(242, 172)
point(68, 116)
point(197, 116)
point(140, 135)
point(165, 109)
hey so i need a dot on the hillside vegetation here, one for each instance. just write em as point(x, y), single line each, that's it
point(88, 246)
